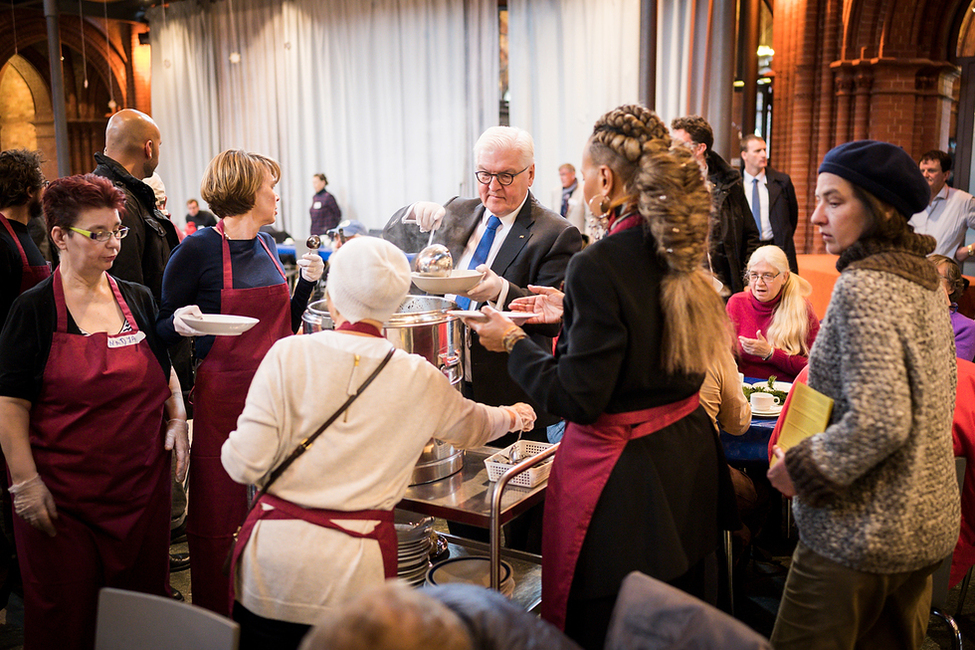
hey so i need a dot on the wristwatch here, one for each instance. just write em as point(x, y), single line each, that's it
point(971, 249)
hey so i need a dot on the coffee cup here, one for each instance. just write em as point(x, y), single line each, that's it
point(763, 401)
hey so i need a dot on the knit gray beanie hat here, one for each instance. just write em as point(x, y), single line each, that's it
point(367, 278)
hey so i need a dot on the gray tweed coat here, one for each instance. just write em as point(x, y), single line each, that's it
point(877, 490)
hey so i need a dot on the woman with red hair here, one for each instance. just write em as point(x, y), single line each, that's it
point(89, 411)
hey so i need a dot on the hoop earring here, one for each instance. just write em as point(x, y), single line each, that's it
point(601, 211)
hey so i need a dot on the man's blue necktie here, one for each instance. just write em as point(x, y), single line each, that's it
point(756, 207)
point(481, 254)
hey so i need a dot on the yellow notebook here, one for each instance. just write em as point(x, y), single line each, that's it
point(808, 414)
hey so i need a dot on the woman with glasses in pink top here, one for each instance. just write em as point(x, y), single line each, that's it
point(773, 318)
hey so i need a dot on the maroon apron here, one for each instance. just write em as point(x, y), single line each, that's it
point(217, 504)
point(96, 435)
point(30, 275)
point(384, 533)
point(579, 472)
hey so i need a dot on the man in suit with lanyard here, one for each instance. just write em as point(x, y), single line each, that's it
point(776, 212)
point(510, 237)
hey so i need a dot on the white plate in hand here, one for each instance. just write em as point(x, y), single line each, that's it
point(459, 281)
point(221, 324)
point(516, 317)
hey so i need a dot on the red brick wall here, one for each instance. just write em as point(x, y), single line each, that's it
point(878, 69)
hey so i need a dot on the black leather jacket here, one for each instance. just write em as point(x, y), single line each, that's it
point(152, 236)
point(734, 235)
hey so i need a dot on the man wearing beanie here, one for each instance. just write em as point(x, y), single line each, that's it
point(876, 498)
point(325, 523)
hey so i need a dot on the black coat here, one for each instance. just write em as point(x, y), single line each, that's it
point(152, 236)
point(734, 235)
point(783, 213)
point(535, 251)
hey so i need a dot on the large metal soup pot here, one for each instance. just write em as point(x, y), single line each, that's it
point(421, 326)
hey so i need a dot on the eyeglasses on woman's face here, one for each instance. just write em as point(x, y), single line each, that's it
point(764, 277)
point(102, 236)
point(505, 178)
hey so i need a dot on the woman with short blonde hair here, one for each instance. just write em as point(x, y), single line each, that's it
point(773, 318)
point(231, 269)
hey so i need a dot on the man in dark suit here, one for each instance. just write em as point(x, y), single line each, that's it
point(520, 241)
point(734, 236)
point(777, 210)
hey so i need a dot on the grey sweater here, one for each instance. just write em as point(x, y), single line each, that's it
point(877, 490)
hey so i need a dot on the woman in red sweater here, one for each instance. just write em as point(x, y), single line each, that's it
point(773, 318)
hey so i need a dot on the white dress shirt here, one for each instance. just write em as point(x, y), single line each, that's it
point(507, 221)
point(947, 218)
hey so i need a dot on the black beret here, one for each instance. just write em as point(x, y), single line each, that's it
point(883, 169)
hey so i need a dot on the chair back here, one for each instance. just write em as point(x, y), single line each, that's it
point(128, 619)
point(652, 615)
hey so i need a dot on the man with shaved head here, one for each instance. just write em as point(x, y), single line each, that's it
point(131, 155)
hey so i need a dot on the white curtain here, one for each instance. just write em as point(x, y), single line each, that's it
point(385, 97)
point(695, 65)
point(570, 62)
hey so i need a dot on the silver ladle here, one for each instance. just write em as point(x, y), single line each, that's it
point(314, 242)
point(434, 261)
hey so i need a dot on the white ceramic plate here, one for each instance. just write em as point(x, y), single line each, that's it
point(771, 413)
point(516, 317)
point(221, 324)
point(459, 281)
point(783, 386)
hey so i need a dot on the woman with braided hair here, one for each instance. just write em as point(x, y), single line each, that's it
point(640, 325)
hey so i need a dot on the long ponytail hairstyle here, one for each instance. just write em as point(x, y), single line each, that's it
point(666, 185)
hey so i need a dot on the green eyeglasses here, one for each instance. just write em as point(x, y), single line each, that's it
point(102, 235)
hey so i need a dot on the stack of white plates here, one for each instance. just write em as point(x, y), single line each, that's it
point(470, 570)
point(415, 543)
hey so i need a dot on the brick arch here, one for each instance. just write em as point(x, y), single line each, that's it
point(852, 69)
point(107, 61)
point(902, 28)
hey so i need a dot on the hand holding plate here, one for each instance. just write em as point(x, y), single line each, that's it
point(492, 330)
point(547, 302)
point(489, 288)
point(182, 327)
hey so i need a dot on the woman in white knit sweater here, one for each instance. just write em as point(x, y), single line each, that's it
point(876, 498)
point(292, 570)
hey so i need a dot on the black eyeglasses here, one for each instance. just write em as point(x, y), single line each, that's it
point(102, 235)
point(505, 178)
point(766, 277)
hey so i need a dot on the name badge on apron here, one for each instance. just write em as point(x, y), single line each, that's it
point(125, 340)
point(317, 205)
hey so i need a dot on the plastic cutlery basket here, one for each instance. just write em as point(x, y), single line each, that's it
point(530, 477)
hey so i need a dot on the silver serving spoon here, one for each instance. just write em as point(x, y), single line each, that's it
point(434, 261)
point(314, 242)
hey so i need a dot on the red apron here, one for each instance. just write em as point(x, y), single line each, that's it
point(384, 533)
point(217, 504)
point(30, 275)
point(96, 434)
point(580, 470)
